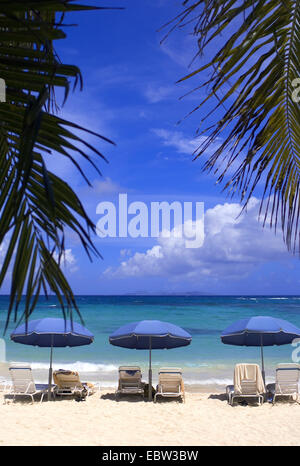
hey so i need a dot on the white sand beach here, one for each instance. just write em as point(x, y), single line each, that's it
point(205, 419)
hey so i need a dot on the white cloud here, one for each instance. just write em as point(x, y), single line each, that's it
point(3, 249)
point(68, 260)
point(106, 186)
point(125, 252)
point(181, 143)
point(189, 146)
point(138, 80)
point(180, 49)
point(155, 93)
point(234, 245)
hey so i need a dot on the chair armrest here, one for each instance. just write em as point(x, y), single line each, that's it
point(230, 389)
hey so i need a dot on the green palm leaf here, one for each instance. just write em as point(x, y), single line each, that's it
point(37, 206)
point(252, 74)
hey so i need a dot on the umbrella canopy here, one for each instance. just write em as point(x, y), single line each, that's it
point(52, 333)
point(163, 335)
point(260, 331)
point(149, 335)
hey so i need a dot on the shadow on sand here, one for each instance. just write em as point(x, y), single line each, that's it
point(130, 398)
point(218, 396)
point(136, 398)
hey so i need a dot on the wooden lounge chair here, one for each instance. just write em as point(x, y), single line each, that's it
point(130, 381)
point(287, 381)
point(248, 383)
point(170, 383)
point(68, 383)
point(23, 383)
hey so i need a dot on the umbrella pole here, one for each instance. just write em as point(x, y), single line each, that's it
point(150, 372)
point(50, 371)
point(262, 359)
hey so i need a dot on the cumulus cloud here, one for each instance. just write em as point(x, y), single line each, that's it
point(234, 245)
point(106, 186)
point(68, 260)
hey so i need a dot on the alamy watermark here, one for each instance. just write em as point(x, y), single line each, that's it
point(296, 91)
point(152, 219)
point(296, 352)
point(2, 350)
point(2, 90)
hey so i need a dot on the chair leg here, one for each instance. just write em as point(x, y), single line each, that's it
point(229, 396)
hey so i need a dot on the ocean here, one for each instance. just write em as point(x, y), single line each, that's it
point(206, 361)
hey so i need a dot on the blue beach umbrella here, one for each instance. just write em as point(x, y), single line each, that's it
point(149, 335)
point(260, 331)
point(52, 333)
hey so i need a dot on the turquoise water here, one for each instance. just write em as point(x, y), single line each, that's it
point(206, 361)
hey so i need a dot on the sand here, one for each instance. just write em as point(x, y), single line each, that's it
point(205, 419)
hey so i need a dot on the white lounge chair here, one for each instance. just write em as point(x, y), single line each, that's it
point(287, 381)
point(23, 383)
point(248, 383)
point(170, 383)
point(130, 381)
point(5, 385)
point(69, 383)
point(5, 379)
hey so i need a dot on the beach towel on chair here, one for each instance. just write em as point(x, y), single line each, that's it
point(248, 373)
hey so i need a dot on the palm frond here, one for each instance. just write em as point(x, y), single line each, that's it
point(36, 206)
point(256, 59)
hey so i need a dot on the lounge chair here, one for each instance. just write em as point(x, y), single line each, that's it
point(5, 385)
point(69, 383)
point(170, 383)
point(5, 379)
point(23, 383)
point(130, 381)
point(248, 383)
point(287, 381)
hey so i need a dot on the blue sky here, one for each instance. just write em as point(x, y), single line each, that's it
point(130, 96)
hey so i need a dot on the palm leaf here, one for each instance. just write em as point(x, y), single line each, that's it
point(36, 206)
point(256, 59)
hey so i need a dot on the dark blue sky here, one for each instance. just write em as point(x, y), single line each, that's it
point(130, 96)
